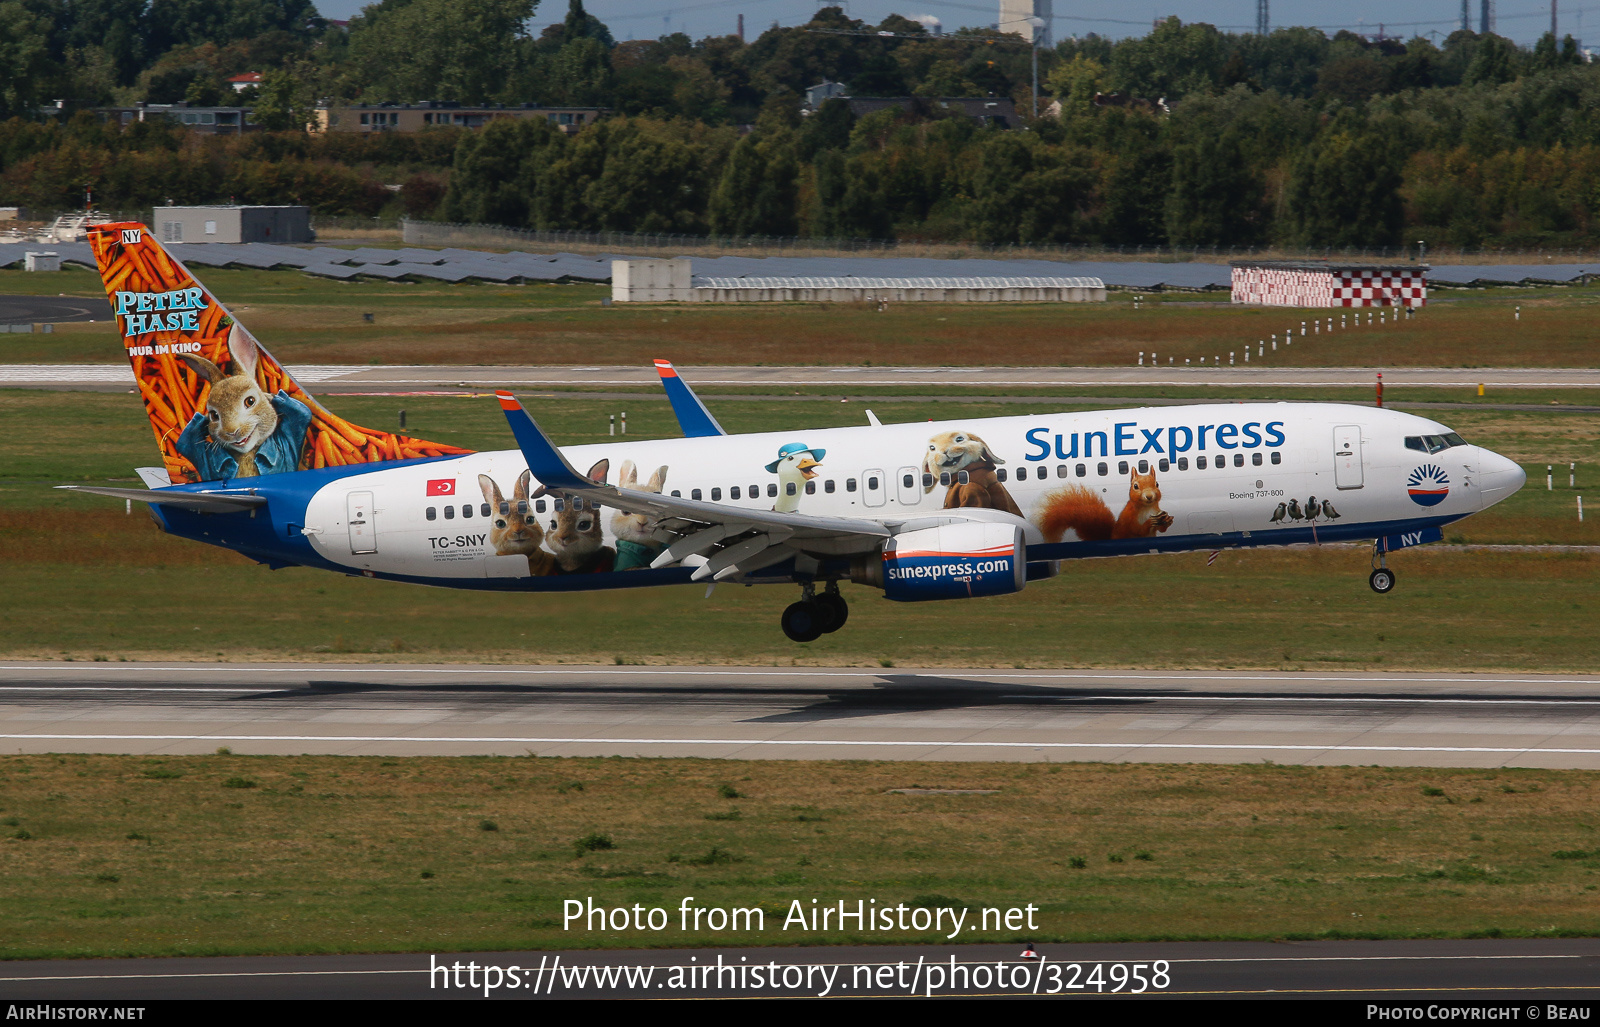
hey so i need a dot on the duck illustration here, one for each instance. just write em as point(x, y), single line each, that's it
point(1313, 508)
point(1278, 514)
point(1294, 510)
point(794, 467)
point(1328, 511)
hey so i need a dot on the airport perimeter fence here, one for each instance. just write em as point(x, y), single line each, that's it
point(472, 236)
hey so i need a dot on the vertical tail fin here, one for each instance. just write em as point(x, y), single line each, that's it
point(221, 406)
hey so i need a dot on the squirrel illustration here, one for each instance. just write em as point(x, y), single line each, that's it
point(1079, 510)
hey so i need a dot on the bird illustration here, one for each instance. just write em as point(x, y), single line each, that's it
point(794, 467)
point(1277, 515)
point(1294, 510)
point(1328, 511)
point(1313, 508)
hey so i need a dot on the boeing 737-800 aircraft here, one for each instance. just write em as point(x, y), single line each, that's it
point(951, 509)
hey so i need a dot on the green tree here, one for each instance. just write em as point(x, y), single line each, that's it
point(1215, 198)
point(1344, 191)
point(25, 62)
point(469, 51)
point(283, 102)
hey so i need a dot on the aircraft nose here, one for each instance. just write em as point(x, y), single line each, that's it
point(1498, 477)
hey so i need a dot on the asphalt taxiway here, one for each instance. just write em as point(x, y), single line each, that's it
point(1444, 719)
point(1494, 971)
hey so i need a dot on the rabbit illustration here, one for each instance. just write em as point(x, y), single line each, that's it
point(514, 527)
point(243, 431)
point(574, 534)
point(635, 548)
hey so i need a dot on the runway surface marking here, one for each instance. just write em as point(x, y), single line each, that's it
point(1085, 697)
point(224, 668)
point(925, 744)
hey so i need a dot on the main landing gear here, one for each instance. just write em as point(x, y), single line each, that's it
point(815, 615)
point(1382, 578)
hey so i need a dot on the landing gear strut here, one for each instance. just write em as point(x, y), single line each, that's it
point(1382, 578)
point(815, 615)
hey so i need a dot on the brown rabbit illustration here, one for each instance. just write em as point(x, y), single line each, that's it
point(950, 453)
point(514, 527)
point(243, 432)
point(635, 546)
point(575, 535)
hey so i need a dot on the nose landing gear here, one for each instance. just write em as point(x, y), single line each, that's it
point(815, 615)
point(1382, 578)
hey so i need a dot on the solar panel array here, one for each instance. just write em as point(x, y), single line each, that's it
point(458, 265)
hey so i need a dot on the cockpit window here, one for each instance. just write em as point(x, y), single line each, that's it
point(1434, 443)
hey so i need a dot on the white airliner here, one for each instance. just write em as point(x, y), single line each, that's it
point(949, 509)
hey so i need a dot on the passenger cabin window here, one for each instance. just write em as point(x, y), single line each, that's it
point(944, 477)
point(963, 478)
point(811, 488)
point(908, 480)
point(1082, 471)
point(1183, 463)
point(827, 486)
point(1000, 473)
point(1255, 459)
point(788, 488)
point(1122, 467)
point(1022, 474)
point(538, 505)
point(432, 514)
point(1102, 469)
point(716, 495)
point(449, 513)
point(1277, 457)
point(733, 493)
point(772, 489)
point(1163, 464)
point(1199, 464)
point(694, 494)
point(1238, 459)
point(927, 480)
point(483, 510)
point(872, 484)
point(1061, 470)
point(1144, 467)
point(675, 495)
point(755, 492)
point(849, 484)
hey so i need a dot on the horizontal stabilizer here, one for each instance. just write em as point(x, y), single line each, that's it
point(693, 417)
point(204, 502)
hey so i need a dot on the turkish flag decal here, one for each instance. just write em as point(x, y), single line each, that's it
point(442, 487)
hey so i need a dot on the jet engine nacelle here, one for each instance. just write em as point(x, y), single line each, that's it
point(950, 561)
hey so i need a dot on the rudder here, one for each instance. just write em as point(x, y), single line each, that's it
point(187, 351)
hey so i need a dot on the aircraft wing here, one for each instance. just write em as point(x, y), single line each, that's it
point(693, 417)
point(204, 502)
point(745, 540)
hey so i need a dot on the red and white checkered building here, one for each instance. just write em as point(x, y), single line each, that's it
point(1284, 283)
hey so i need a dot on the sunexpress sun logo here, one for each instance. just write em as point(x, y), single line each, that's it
point(1428, 485)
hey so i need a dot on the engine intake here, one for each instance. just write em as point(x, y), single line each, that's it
point(951, 561)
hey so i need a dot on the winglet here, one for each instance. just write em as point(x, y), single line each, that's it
point(693, 417)
point(544, 459)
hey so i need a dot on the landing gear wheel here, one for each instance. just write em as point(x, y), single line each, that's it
point(832, 610)
point(802, 621)
point(1382, 581)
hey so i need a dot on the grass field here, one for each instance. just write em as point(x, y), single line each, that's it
point(222, 854)
point(308, 320)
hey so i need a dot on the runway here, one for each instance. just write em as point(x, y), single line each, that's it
point(1445, 720)
point(53, 309)
point(333, 378)
point(1383, 971)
